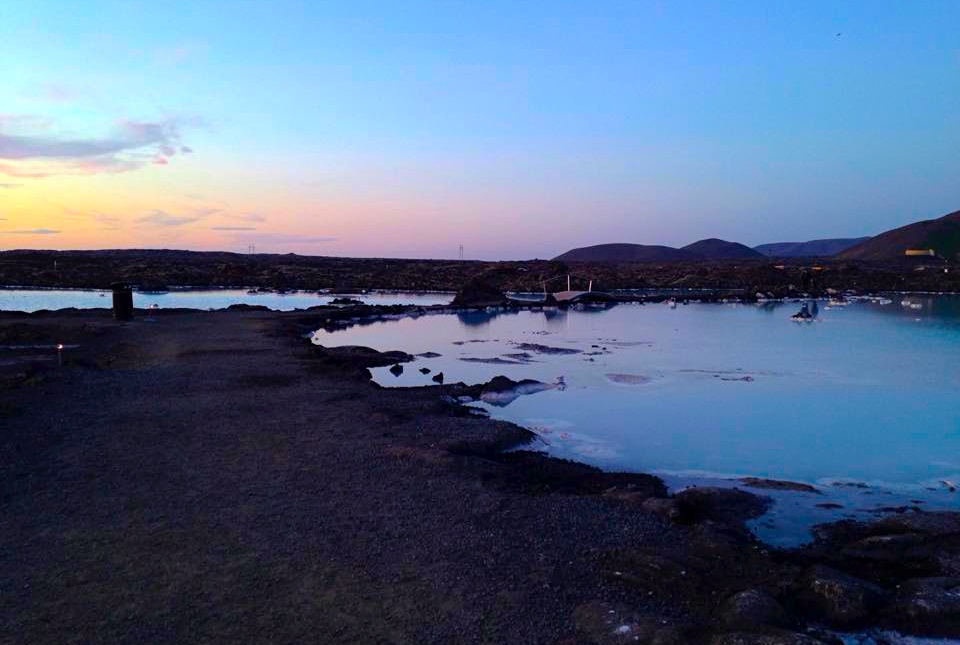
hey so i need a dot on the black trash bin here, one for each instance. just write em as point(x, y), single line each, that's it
point(122, 301)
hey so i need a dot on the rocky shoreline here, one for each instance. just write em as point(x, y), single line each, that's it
point(218, 461)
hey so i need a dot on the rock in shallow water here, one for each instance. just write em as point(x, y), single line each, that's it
point(546, 349)
point(777, 484)
point(730, 506)
point(628, 379)
point(501, 390)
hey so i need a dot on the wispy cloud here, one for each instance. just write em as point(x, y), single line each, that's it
point(8, 186)
point(29, 147)
point(35, 231)
point(233, 228)
point(163, 219)
point(247, 217)
point(107, 222)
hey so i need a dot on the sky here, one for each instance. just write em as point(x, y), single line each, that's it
point(517, 129)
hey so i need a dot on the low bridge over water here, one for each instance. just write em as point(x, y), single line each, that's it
point(569, 295)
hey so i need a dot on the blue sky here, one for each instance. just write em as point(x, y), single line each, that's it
point(517, 129)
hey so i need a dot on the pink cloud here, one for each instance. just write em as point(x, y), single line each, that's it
point(29, 149)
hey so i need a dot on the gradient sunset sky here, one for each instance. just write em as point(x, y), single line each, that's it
point(519, 129)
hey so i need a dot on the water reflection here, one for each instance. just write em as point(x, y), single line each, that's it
point(52, 299)
point(866, 392)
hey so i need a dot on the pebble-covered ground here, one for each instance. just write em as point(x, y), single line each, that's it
point(214, 478)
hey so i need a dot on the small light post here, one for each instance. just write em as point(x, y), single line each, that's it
point(60, 354)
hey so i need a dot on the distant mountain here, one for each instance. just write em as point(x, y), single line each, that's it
point(716, 249)
point(809, 249)
point(626, 253)
point(942, 235)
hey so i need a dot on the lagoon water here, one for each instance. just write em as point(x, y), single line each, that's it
point(869, 394)
point(37, 299)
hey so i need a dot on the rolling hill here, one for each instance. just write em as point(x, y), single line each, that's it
point(717, 249)
point(710, 249)
point(626, 253)
point(941, 234)
point(810, 248)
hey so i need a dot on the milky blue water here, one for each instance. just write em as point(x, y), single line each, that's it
point(37, 299)
point(867, 394)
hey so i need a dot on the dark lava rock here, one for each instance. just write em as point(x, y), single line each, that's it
point(396, 369)
point(664, 507)
point(481, 291)
point(246, 307)
point(913, 544)
point(650, 571)
point(502, 383)
point(491, 361)
point(928, 606)
point(730, 506)
point(429, 355)
point(769, 638)
point(889, 548)
point(937, 523)
point(438, 377)
point(534, 472)
point(753, 608)
point(501, 390)
point(776, 484)
point(546, 349)
point(358, 356)
point(601, 623)
point(837, 597)
point(424, 370)
point(346, 301)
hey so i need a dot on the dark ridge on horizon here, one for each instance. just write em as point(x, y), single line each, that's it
point(941, 234)
point(716, 249)
point(708, 249)
point(810, 249)
point(623, 252)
